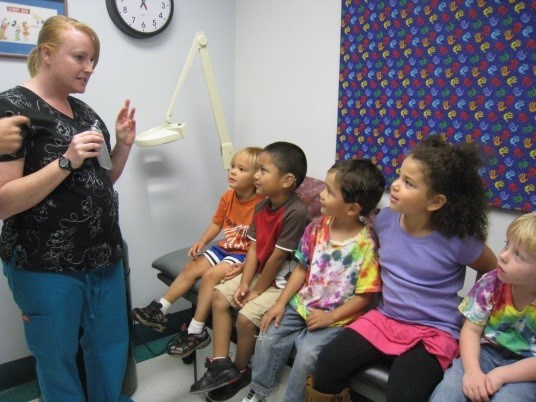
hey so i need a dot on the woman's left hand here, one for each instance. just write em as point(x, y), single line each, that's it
point(125, 125)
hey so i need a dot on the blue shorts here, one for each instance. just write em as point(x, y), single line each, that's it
point(216, 254)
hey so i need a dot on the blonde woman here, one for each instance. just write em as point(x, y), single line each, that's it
point(61, 245)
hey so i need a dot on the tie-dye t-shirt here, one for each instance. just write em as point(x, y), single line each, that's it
point(336, 270)
point(490, 304)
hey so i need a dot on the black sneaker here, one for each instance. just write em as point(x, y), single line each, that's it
point(184, 344)
point(227, 392)
point(150, 316)
point(220, 372)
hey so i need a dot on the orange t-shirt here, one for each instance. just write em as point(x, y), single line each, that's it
point(235, 216)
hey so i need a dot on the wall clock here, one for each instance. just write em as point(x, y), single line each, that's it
point(140, 19)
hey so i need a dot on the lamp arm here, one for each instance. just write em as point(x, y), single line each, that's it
point(170, 132)
point(226, 144)
point(187, 65)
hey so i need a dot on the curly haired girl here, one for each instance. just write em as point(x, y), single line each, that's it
point(435, 225)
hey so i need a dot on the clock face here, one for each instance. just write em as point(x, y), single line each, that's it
point(140, 18)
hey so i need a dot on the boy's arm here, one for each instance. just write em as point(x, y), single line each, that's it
point(323, 319)
point(250, 264)
point(520, 371)
point(248, 273)
point(270, 270)
point(212, 231)
point(294, 284)
point(474, 380)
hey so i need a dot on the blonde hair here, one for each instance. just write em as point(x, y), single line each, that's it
point(51, 35)
point(252, 155)
point(522, 231)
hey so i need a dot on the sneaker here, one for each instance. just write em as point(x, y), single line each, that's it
point(184, 344)
point(252, 396)
point(227, 392)
point(220, 372)
point(150, 316)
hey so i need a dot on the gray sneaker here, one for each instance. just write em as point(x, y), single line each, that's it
point(184, 344)
point(252, 396)
point(150, 316)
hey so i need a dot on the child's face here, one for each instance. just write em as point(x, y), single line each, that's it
point(516, 266)
point(331, 201)
point(409, 192)
point(240, 174)
point(268, 181)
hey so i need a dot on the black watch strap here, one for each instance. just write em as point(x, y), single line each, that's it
point(65, 163)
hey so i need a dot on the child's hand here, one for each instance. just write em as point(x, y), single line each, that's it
point(240, 295)
point(474, 387)
point(274, 314)
point(194, 250)
point(250, 296)
point(319, 319)
point(233, 270)
point(494, 381)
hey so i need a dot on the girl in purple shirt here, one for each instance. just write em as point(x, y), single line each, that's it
point(435, 225)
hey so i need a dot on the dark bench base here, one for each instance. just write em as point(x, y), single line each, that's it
point(370, 382)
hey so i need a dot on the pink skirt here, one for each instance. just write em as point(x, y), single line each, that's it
point(393, 337)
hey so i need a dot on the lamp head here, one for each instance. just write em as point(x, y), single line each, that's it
point(161, 134)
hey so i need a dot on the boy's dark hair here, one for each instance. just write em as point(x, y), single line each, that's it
point(288, 158)
point(360, 182)
point(452, 170)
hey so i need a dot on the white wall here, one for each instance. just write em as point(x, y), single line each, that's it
point(287, 76)
point(168, 193)
point(287, 69)
point(284, 86)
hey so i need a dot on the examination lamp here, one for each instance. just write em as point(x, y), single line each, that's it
point(169, 131)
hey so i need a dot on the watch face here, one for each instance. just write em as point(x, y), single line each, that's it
point(65, 163)
point(141, 18)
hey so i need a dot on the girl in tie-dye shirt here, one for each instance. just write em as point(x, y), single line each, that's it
point(498, 339)
point(337, 274)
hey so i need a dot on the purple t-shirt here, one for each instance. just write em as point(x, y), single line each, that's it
point(421, 276)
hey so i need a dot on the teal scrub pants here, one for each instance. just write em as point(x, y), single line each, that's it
point(54, 307)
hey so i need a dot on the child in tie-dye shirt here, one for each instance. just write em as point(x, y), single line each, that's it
point(498, 339)
point(334, 281)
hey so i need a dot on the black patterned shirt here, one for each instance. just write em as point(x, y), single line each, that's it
point(76, 227)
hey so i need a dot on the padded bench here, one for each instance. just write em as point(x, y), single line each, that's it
point(370, 382)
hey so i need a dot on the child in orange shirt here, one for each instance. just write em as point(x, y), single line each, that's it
point(233, 216)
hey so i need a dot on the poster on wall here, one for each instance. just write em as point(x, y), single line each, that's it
point(20, 22)
point(465, 70)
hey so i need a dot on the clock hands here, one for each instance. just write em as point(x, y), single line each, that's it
point(141, 18)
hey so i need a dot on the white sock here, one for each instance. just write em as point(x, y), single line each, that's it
point(196, 327)
point(165, 305)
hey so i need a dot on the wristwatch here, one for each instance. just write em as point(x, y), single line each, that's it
point(65, 163)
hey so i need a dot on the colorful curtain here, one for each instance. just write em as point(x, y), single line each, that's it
point(463, 69)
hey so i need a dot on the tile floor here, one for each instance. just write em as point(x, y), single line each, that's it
point(160, 379)
point(166, 379)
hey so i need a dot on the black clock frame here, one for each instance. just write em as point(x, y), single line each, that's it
point(120, 23)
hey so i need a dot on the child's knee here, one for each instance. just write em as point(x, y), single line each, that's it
point(188, 269)
point(219, 302)
point(243, 322)
point(211, 275)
